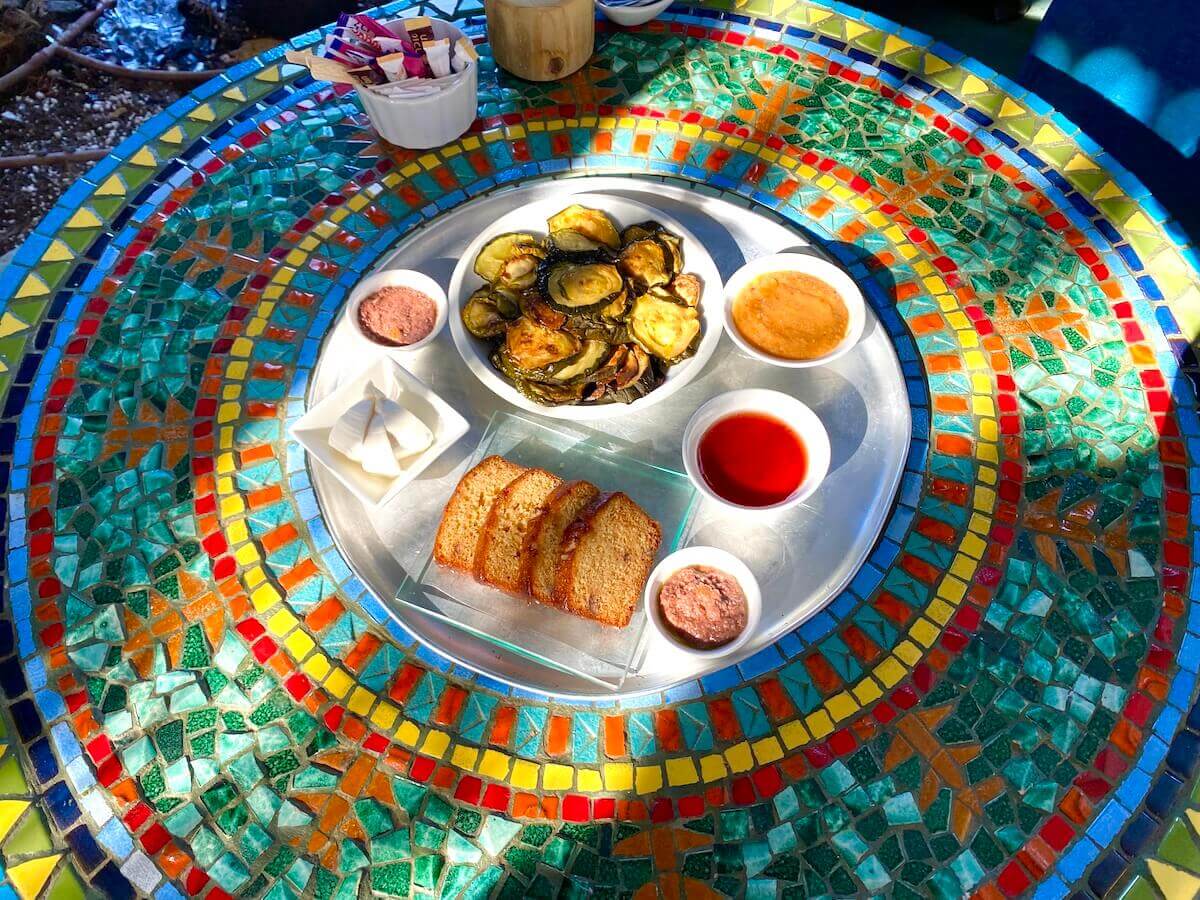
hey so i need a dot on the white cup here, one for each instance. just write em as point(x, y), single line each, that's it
point(429, 120)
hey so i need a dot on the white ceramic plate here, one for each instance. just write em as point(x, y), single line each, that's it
point(624, 212)
point(312, 429)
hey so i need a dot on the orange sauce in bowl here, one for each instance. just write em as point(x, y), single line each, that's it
point(791, 315)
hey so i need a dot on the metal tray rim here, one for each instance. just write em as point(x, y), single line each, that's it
point(386, 602)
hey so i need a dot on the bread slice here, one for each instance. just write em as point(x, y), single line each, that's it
point(605, 559)
point(540, 555)
point(502, 540)
point(468, 507)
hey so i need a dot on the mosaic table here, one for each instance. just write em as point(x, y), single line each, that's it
point(202, 701)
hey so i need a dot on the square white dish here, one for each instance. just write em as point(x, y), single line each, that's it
point(312, 429)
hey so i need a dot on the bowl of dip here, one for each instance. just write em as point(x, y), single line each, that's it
point(398, 310)
point(704, 600)
point(756, 450)
point(793, 310)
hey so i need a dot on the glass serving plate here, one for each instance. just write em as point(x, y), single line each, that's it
point(598, 653)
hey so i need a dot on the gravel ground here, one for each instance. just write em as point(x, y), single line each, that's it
point(64, 107)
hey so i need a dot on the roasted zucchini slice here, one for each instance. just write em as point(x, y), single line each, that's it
point(591, 223)
point(633, 367)
point(672, 241)
point(573, 242)
point(531, 346)
point(551, 394)
point(543, 392)
point(664, 329)
point(519, 272)
point(543, 313)
point(507, 302)
point(615, 311)
point(640, 231)
point(484, 314)
point(583, 288)
point(687, 287)
point(674, 245)
point(496, 253)
point(645, 263)
point(587, 361)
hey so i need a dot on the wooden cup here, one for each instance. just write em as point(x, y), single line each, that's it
point(541, 40)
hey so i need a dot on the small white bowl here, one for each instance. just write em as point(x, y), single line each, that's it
point(717, 559)
point(312, 429)
point(398, 278)
point(428, 120)
point(809, 265)
point(783, 407)
point(629, 16)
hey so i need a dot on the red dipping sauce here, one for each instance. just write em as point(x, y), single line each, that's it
point(752, 459)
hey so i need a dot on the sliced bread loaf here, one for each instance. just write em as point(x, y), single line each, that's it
point(498, 558)
point(540, 555)
point(467, 509)
point(605, 559)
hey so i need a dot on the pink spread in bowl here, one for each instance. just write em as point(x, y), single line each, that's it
point(705, 607)
point(704, 601)
point(397, 316)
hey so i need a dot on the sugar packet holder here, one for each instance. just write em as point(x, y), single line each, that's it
point(322, 68)
point(400, 85)
point(385, 73)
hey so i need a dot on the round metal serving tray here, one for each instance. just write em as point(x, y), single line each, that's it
point(802, 557)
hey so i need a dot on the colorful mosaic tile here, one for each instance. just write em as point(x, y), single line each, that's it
point(204, 701)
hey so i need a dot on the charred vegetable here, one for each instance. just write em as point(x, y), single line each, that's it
point(519, 271)
point(645, 263)
point(640, 231)
point(586, 362)
point(487, 313)
point(583, 288)
point(674, 251)
point(552, 394)
point(665, 329)
point(587, 315)
point(633, 368)
point(532, 346)
point(591, 223)
point(615, 311)
point(573, 242)
point(686, 289)
point(497, 251)
point(544, 314)
point(507, 302)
